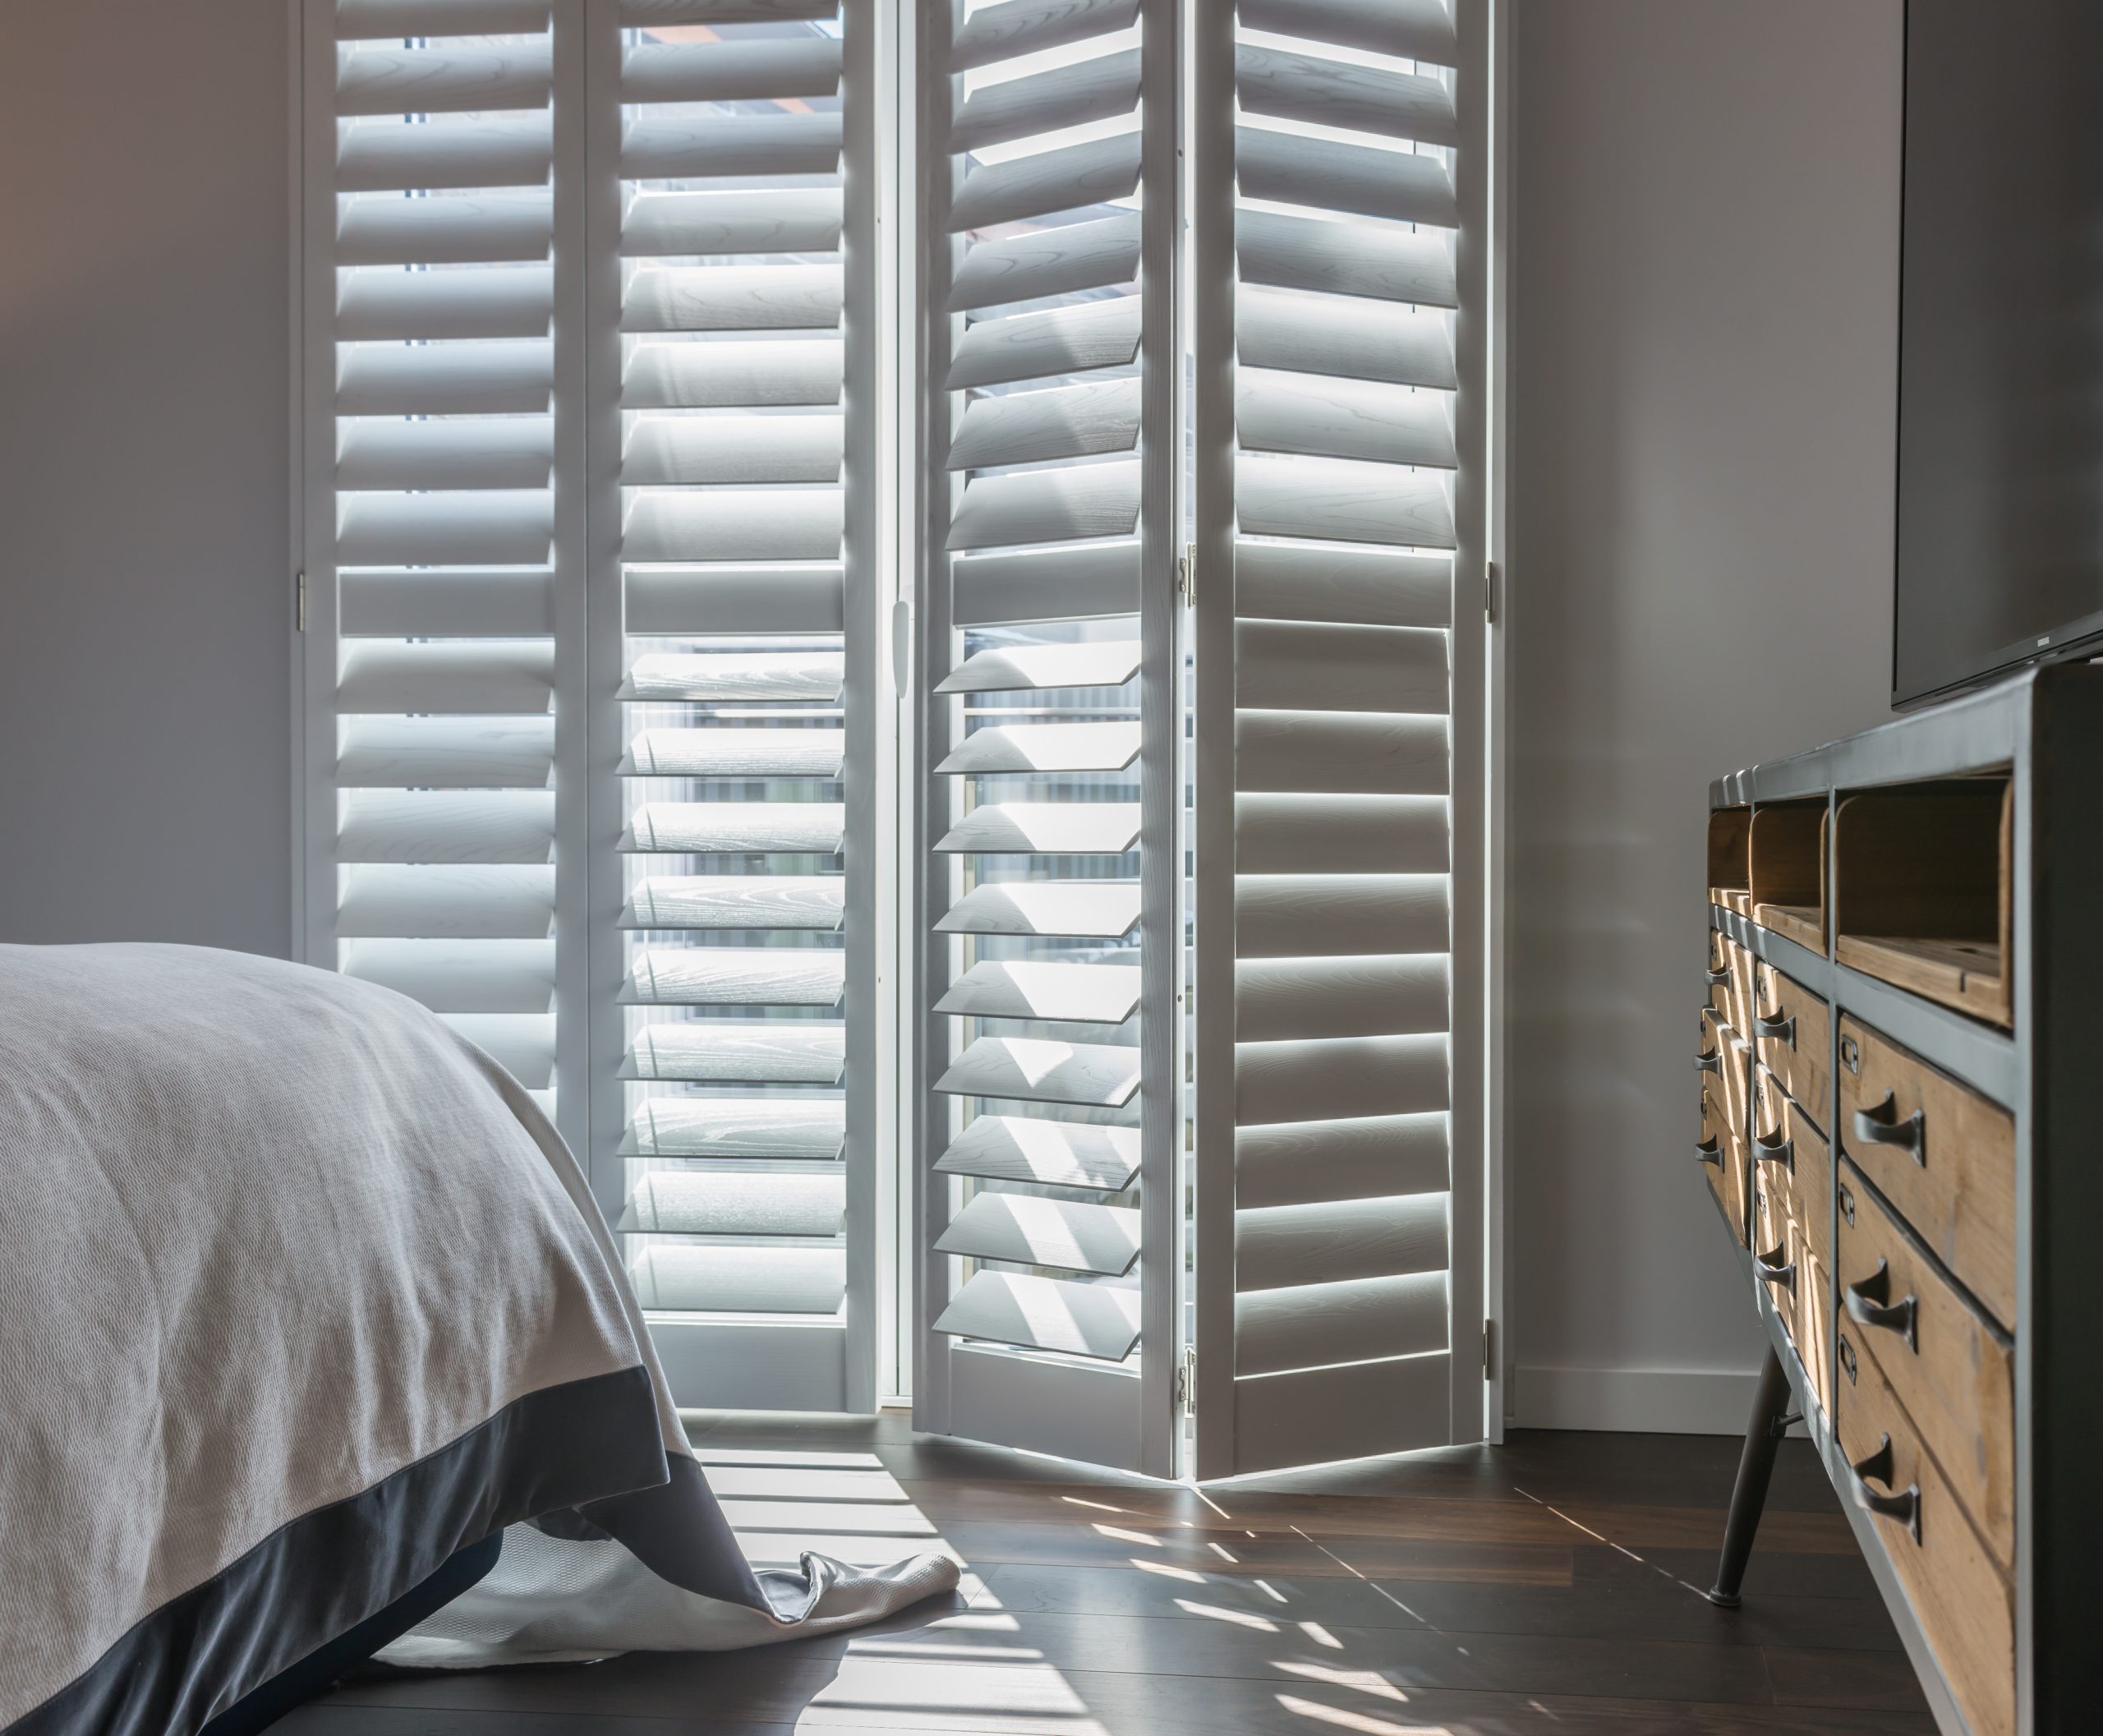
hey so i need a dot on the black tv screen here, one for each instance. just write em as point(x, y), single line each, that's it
point(2000, 352)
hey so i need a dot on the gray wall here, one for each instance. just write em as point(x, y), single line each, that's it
point(1706, 201)
point(145, 754)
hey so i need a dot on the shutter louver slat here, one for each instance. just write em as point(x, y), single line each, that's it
point(740, 1051)
point(494, 302)
point(1067, 96)
point(1305, 1163)
point(1046, 829)
point(1408, 30)
point(1324, 666)
point(1282, 252)
point(1344, 419)
point(379, 230)
point(709, 1203)
point(447, 902)
point(1098, 254)
point(1050, 1153)
point(1045, 747)
point(446, 752)
point(1342, 1077)
point(657, 14)
point(1011, 669)
point(1032, 1070)
point(1069, 505)
point(1345, 500)
point(379, 157)
point(523, 1043)
point(497, 378)
point(664, 148)
point(742, 448)
point(732, 599)
point(446, 455)
point(1335, 93)
point(786, 220)
point(385, 18)
point(723, 524)
point(1357, 1320)
point(1299, 916)
point(486, 678)
point(427, 826)
point(1017, 27)
point(1349, 339)
point(684, 1279)
point(455, 976)
point(1064, 340)
point(732, 299)
point(801, 1127)
point(735, 976)
point(737, 901)
point(1280, 582)
point(1359, 995)
point(731, 72)
point(736, 828)
point(1069, 584)
point(1342, 834)
point(737, 753)
point(1104, 911)
point(434, 80)
point(1029, 427)
point(1030, 1232)
point(1066, 994)
point(1287, 169)
point(1045, 1314)
point(1063, 179)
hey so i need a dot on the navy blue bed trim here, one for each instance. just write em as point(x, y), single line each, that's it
point(593, 1443)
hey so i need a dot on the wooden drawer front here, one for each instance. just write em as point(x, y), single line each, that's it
point(1793, 1033)
point(1723, 1160)
point(1965, 1605)
point(1730, 978)
point(1792, 1160)
point(1770, 1243)
point(1941, 1154)
point(1953, 1373)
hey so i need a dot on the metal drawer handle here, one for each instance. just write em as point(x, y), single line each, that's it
point(1781, 1149)
point(1708, 1151)
point(1784, 1274)
point(1712, 1063)
point(1782, 1026)
point(1870, 1304)
point(1881, 1126)
point(1718, 977)
point(1876, 1468)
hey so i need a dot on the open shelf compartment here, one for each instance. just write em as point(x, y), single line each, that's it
point(1923, 892)
point(1787, 858)
point(1730, 877)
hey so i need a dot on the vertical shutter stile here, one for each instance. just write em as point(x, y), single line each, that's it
point(443, 538)
point(1336, 213)
point(731, 254)
point(1048, 891)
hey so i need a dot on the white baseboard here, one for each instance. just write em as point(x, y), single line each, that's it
point(1644, 1401)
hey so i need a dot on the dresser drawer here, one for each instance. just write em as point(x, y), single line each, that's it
point(1965, 1605)
point(1792, 1034)
point(1792, 1160)
point(1730, 978)
point(1954, 1372)
point(1724, 1161)
point(1942, 1154)
point(1771, 1258)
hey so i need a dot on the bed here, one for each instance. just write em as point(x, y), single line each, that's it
point(306, 1314)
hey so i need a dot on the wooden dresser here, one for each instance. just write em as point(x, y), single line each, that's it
point(1900, 1059)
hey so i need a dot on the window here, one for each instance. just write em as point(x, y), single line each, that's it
point(760, 460)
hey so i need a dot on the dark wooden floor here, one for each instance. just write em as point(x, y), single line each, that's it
point(1550, 1586)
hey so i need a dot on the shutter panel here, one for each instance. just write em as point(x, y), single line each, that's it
point(1049, 715)
point(442, 562)
point(1337, 282)
point(733, 1109)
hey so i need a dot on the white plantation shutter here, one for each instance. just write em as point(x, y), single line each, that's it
point(1338, 274)
point(733, 754)
point(604, 472)
point(443, 550)
point(1049, 720)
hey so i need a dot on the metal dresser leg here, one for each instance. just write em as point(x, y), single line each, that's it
point(1770, 1422)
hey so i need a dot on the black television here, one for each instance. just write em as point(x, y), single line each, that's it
point(2001, 346)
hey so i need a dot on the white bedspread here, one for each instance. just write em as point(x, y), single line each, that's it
point(270, 1238)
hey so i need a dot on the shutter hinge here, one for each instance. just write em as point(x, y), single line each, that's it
point(299, 600)
point(1186, 575)
point(1488, 1350)
point(1492, 592)
point(1186, 1380)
